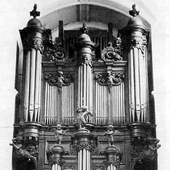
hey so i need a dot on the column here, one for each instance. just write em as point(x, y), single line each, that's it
point(32, 38)
point(54, 156)
point(84, 57)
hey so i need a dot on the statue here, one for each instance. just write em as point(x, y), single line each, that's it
point(145, 153)
point(109, 133)
point(83, 114)
point(149, 151)
point(23, 153)
point(59, 133)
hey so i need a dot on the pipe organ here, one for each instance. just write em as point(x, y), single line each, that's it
point(85, 99)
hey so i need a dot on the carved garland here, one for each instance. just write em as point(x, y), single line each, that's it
point(58, 79)
point(109, 79)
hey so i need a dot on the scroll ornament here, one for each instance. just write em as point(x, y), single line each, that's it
point(109, 79)
point(111, 53)
point(58, 79)
point(54, 52)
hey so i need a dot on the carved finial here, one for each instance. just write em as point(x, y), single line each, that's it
point(134, 12)
point(84, 28)
point(34, 12)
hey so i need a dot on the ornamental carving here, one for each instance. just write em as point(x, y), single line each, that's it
point(25, 152)
point(33, 42)
point(58, 79)
point(91, 147)
point(111, 53)
point(54, 52)
point(109, 79)
point(144, 151)
point(139, 42)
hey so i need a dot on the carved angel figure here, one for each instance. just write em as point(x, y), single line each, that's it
point(23, 153)
point(59, 133)
point(109, 133)
point(83, 114)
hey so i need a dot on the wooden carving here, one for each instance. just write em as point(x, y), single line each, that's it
point(58, 79)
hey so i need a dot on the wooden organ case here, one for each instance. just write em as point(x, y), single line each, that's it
point(84, 101)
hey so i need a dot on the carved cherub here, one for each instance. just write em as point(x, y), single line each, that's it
point(59, 133)
point(109, 133)
point(83, 114)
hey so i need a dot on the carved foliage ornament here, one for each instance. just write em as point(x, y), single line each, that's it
point(58, 79)
point(109, 79)
point(91, 147)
